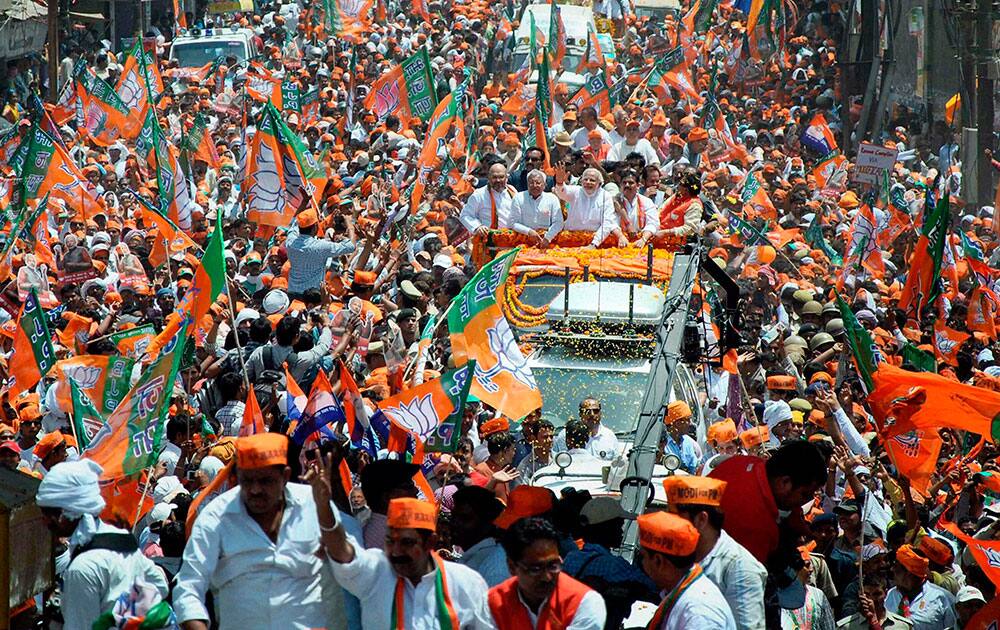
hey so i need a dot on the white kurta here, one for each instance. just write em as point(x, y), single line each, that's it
point(95, 579)
point(371, 578)
point(528, 214)
point(701, 606)
point(588, 213)
point(478, 210)
point(258, 583)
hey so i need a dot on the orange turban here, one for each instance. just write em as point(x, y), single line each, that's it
point(696, 134)
point(524, 502)
point(781, 382)
point(689, 489)
point(677, 410)
point(48, 443)
point(410, 513)
point(496, 425)
point(667, 533)
point(755, 436)
point(724, 431)
point(262, 450)
point(935, 550)
point(912, 562)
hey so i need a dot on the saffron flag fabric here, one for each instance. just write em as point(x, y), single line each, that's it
point(129, 441)
point(160, 155)
point(922, 286)
point(355, 411)
point(480, 332)
point(755, 201)
point(283, 177)
point(594, 93)
point(947, 342)
point(904, 401)
point(433, 411)
point(406, 90)
point(33, 354)
point(106, 118)
point(209, 278)
point(556, 45)
point(103, 378)
point(447, 114)
point(818, 136)
point(253, 418)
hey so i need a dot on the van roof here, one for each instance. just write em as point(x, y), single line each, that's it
point(658, 4)
point(575, 19)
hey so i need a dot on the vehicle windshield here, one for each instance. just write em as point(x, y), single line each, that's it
point(195, 54)
point(562, 390)
point(570, 62)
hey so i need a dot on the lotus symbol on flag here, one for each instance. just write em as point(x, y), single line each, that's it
point(265, 193)
point(509, 358)
point(419, 416)
point(909, 442)
point(130, 92)
point(386, 99)
point(944, 343)
point(84, 376)
point(992, 556)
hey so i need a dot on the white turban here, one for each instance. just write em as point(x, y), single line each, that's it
point(211, 466)
point(74, 487)
point(775, 412)
point(166, 488)
point(169, 459)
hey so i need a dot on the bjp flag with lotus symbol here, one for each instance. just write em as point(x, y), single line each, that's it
point(432, 412)
point(480, 332)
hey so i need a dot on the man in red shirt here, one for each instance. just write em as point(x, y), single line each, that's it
point(761, 494)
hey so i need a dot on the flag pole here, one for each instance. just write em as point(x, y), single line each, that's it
point(145, 492)
point(236, 333)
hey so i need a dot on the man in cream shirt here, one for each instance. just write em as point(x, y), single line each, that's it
point(488, 208)
point(534, 209)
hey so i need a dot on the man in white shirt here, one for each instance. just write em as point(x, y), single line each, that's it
point(602, 441)
point(591, 208)
point(409, 578)
point(633, 142)
point(534, 209)
point(261, 537)
point(915, 597)
point(488, 208)
point(588, 123)
point(690, 600)
point(104, 562)
point(728, 564)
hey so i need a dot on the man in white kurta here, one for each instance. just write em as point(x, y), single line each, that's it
point(404, 576)
point(260, 579)
point(535, 210)
point(488, 208)
point(591, 208)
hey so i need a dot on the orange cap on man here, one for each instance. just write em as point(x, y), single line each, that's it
point(261, 451)
point(667, 533)
point(409, 513)
point(693, 490)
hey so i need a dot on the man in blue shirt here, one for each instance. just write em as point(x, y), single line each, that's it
point(308, 255)
point(678, 442)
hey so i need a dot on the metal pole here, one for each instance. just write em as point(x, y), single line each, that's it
point(669, 335)
point(53, 50)
point(984, 100)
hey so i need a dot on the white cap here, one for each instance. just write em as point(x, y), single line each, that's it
point(246, 315)
point(443, 261)
point(276, 301)
point(969, 594)
point(984, 355)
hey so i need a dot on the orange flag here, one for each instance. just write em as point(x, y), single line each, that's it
point(988, 617)
point(986, 552)
point(947, 342)
point(915, 456)
point(981, 316)
point(253, 419)
point(33, 355)
point(928, 402)
point(729, 362)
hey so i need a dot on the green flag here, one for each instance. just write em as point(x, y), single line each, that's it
point(814, 236)
point(87, 420)
point(923, 361)
point(750, 235)
point(209, 278)
point(866, 353)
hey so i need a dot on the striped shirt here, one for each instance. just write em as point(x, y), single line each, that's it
point(308, 256)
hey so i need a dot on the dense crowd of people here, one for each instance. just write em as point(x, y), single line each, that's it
point(824, 477)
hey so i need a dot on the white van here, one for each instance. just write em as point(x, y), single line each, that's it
point(576, 20)
point(196, 47)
